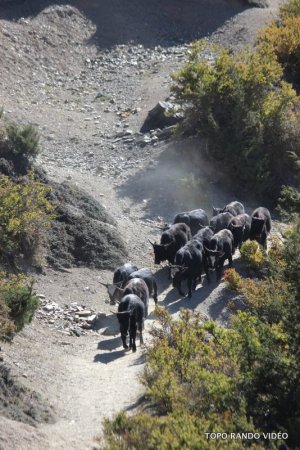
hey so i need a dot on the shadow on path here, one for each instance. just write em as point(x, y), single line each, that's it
point(109, 344)
point(173, 300)
point(106, 358)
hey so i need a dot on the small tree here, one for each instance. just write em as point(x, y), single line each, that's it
point(17, 303)
point(24, 212)
point(246, 112)
point(22, 140)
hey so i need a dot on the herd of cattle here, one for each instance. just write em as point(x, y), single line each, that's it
point(193, 244)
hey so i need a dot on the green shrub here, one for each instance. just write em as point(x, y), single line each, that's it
point(24, 212)
point(245, 111)
point(7, 327)
point(253, 255)
point(291, 255)
point(232, 279)
point(289, 203)
point(290, 9)
point(17, 303)
point(20, 140)
point(284, 40)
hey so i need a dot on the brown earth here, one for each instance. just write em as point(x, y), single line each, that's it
point(86, 73)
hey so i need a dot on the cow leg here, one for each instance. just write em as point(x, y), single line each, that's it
point(206, 270)
point(219, 269)
point(190, 284)
point(194, 284)
point(229, 259)
point(155, 292)
point(264, 240)
point(123, 337)
point(132, 338)
point(140, 326)
point(180, 290)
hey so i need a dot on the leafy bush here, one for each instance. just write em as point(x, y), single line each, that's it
point(253, 255)
point(20, 140)
point(290, 9)
point(289, 203)
point(291, 255)
point(7, 326)
point(17, 303)
point(265, 298)
point(284, 40)
point(232, 279)
point(182, 431)
point(24, 211)
point(246, 112)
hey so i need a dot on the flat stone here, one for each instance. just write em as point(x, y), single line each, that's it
point(84, 313)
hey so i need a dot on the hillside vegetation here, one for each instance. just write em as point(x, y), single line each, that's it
point(246, 108)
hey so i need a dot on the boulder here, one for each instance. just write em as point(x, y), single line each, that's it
point(160, 116)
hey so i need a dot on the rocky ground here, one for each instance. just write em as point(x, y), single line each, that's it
point(86, 75)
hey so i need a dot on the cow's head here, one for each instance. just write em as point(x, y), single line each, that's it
point(177, 272)
point(238, 233)
point(114, 291)
point(257, 225)
point(160, 252)
point(212, 257)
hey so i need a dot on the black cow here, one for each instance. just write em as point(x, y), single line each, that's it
point(171, 240)
point(220, 222)
point(235, 208)
point(147, 275)
point(131, 313)
point(122, 273)
point(240, 227)
point(135, 286)
point(261, 224)
point(189, 263)
point(221, 247)
point(204, 236)
point(194, 219)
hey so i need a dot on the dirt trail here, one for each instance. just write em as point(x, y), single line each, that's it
point(57, 61)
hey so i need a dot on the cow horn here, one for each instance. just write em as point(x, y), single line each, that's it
point(104, 284)
point(113, 312)
point(151, 242)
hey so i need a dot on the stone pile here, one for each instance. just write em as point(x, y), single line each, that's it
point(73, 319)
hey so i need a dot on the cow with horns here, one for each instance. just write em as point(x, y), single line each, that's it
point(136, 286)
point(171, 241)
point(189, 263)
point(195, 219)
point(260, 225)
point(131, 314)
point(234, 208)
point(221, 247)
